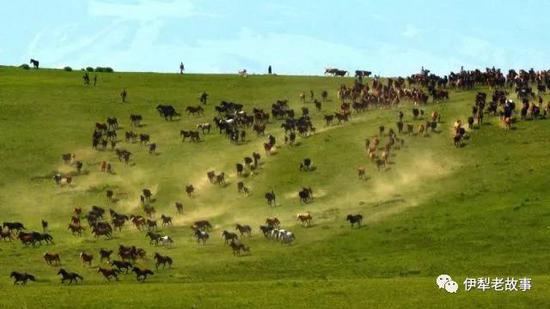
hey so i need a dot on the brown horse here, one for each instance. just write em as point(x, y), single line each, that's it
point(179, 208)
point(76, 229)
point(86, 258)
point(361, 172)
point(273, 221)
point(304, 218)
point(166, 220)
point(244, 229)
point(237, 247)
point(138, 221)
point(162, 260)
point(52, 258)
point(108, 273)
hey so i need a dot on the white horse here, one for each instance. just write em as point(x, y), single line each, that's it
point(287, 237)
point(166, 241)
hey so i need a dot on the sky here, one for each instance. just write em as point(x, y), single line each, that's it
point(301, 37)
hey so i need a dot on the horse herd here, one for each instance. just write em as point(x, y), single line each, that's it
point(233, 121)
point(111, 268)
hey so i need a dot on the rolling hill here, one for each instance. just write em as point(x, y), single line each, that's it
point(477, 211)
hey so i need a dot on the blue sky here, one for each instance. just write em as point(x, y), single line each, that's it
point(295, 37)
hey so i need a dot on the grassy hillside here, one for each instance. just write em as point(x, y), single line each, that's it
point(478, 211)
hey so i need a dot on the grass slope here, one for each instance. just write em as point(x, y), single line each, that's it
point(478, 211)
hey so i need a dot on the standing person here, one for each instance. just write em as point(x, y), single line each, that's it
point(123, 95)
point(95, 79)
point(182, 68)
point(269, 70)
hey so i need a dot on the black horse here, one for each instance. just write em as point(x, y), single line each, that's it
point(163, 260)
point(270, 198)
point(21, 278)
point(305, 195)
point(141, 274)
point(13, 226)
point(35, 63)
point(355, 219)
point(71, 277)
point(167, 111)
point(120, 265)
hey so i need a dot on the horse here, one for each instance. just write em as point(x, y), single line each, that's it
point(166, 241)
point(151, 225)
point(304, 218)
point(138, 221)
point(120, 265)
point(86, 258)
point(162, 260)
point(201, 236)
point(21, 278)
point(189, 189)
point(361, 172)
point(105, 254)
point(52, 258)
point(270, 198)
point(380, 164)
point(108, 273)
point(179, 207)
point(76, 228)
point(71, 277)
point(153, 237)
point(144, 138)
point(112, 122)
point(273, 222)
point(241, 188)
point(266, 229)
point(167, 111)
point(194, 110)
point(305, 165)
point(26, 238)
point(240, 169)
point(229, 236)
point(237, 247)
point(136, 120)
point(35, 63)
point(166, 220)
point(205, 127)
point(305, 195)
point(355, 220)
point(141, 274)
point(243, 229)
point(42, 237)
point(286, 237)
point(13, 226)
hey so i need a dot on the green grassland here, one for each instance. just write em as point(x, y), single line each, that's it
point(478, 211)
